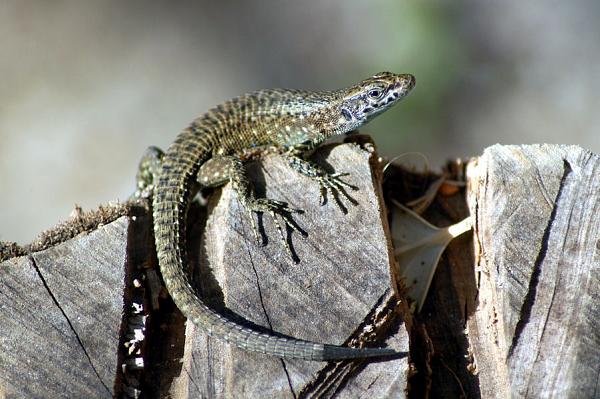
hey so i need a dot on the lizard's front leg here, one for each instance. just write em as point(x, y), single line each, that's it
point(223, 168)
point(327, 182)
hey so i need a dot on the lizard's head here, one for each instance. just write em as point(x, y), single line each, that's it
point(341, 111)
point(372, 96)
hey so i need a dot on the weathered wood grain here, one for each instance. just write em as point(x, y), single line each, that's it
point(520, 320)
point(536, 332)
point(61, 312)
point(342, 279)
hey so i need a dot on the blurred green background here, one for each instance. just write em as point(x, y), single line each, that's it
point(86, 86)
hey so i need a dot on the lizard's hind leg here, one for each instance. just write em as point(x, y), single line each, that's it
point(148, 169)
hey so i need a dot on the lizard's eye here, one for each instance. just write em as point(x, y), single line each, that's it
point(375, 93)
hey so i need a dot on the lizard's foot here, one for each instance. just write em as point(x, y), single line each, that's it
point(328, 182)
point(147, 171)
point(336, 186)
point(276, 208)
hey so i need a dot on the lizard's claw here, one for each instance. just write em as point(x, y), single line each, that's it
point(275, 208)
point(331, 182)
point(335, 185)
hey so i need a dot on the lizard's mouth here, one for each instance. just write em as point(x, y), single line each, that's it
point(404, 84)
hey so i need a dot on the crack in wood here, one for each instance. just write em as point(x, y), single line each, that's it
point(289, 378)
point(193, 380)
point(79, 341)
point(268, 319)
point(332, 378)
point(528, 303)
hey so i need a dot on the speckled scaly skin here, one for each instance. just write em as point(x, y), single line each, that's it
point(210, 151)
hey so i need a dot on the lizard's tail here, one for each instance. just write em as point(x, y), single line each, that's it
point(333, 352)
point(171, 196)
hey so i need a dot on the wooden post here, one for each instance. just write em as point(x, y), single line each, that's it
point(536, 331)
point(513, 310)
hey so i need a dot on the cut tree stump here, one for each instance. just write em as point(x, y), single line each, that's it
point(62, 306)
point(61, 312)
point(536, 332)
point(339, 290)
point(512, 311)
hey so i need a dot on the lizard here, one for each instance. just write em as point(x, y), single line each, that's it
point(210, 152)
